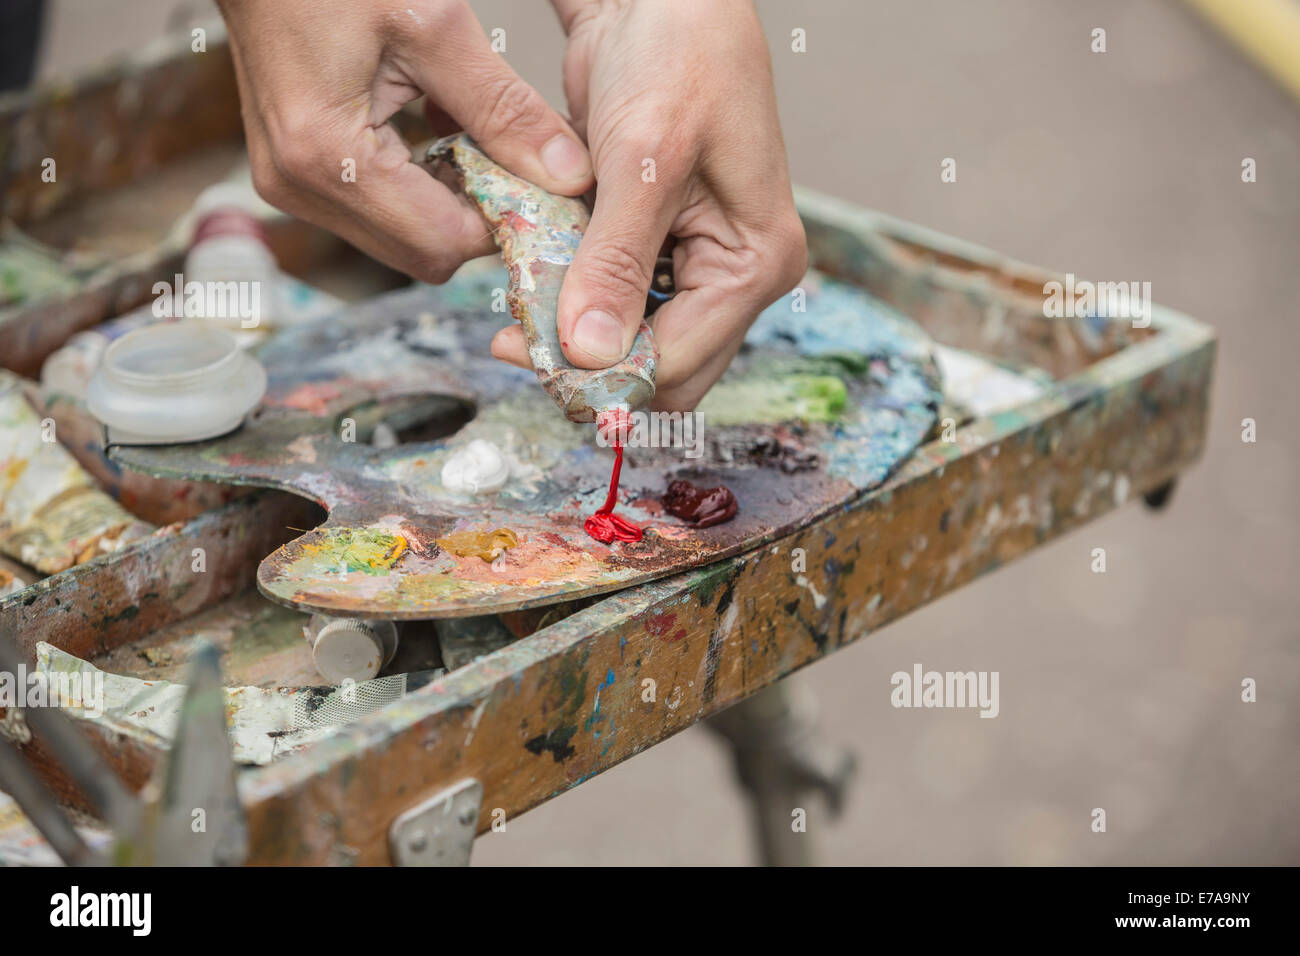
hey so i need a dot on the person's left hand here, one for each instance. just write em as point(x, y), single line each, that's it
point(676, 103)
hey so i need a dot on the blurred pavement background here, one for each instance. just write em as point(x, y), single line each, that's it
point(1118, 690)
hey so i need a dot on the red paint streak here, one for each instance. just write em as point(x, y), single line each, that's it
point(660, 624)
point(517, 222)
point(604, 525)
point(311, 397)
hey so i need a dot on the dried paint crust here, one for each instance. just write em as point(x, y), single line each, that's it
point(428, 341)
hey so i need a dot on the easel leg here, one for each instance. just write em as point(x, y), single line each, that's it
point(780, 758)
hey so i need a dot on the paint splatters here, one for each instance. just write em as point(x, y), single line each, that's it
point(791, 397)
point(662, 627)
point(314, 398)
point(702, 507)
point(303, 449)
point(554, 742)
point(728, 612)
point(488, 545)
point(787, 455)
point(371, 550)
point(595, 706)
point(477, 468)
point(777, 447)
point(819, 599)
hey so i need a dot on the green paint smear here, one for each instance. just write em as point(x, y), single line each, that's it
point(799, 397)
point(28, 275)
point(371, 550)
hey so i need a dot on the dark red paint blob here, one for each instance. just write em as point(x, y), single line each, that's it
point(605, 526)
point(702, 507)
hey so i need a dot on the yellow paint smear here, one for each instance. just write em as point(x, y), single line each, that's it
point(488, 545)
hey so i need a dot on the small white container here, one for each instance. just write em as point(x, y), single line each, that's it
point(174, 382)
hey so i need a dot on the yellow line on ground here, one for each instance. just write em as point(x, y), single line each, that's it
point(1268, 31)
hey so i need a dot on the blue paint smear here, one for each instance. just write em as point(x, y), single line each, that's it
point(875, 342)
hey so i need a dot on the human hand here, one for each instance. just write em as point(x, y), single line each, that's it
point(318, 82)
point(675, 100)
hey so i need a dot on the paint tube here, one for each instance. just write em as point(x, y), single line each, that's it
point(264, 723)
point(229, 253)
point(52, 515)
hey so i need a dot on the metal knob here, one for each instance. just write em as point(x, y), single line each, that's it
point(350, 648)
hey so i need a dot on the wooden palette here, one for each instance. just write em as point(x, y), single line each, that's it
point(831, 391)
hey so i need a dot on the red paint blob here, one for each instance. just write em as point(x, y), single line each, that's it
point(605, 526)
point(702, 507)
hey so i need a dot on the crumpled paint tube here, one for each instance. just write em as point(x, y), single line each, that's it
point(52, 514)
point(264, 724)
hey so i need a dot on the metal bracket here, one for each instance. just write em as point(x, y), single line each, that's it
point(438, 831)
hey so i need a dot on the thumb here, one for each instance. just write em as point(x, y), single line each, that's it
point(509, 119)
point(604, 294)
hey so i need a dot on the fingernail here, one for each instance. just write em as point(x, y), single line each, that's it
point(600, 335)
point(565, 159)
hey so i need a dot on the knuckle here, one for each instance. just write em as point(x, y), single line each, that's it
point(438, 269)
point(438, 18)
point(788, 252)
point(667, 147)
point(268, 182)
point(510, 103)
point(297, 162)
point(298, 150)
point(645, 141)
point(447, 17)
point(612, 270)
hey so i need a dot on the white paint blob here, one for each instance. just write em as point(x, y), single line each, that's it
point(477, 468)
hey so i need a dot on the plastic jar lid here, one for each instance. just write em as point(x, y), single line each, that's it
point(174, 382)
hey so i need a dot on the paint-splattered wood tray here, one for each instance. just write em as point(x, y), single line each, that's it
point(823, 402)
point(1124, 413)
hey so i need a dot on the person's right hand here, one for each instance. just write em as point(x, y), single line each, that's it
point(318, 82)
